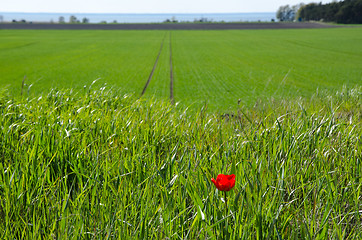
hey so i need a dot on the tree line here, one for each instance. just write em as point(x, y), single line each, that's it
point(73, 19)
point(347, 12)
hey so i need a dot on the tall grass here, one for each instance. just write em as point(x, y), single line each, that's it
point(102, 165)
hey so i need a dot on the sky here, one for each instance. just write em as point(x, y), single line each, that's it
point(146, 6)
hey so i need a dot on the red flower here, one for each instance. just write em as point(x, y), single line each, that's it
point(224, 182)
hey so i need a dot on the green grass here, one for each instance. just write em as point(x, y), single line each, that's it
point(224, 66)
point(98, 164)
point(216, 67)
point(58, 59)
point(85, 159)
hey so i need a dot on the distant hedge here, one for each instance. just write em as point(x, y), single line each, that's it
point(348, 12)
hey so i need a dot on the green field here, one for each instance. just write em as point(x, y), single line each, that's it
point(213, 67)
point(86, 159)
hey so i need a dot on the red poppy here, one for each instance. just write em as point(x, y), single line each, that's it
point(224, 182)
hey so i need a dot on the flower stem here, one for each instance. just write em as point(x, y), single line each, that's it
point(226, 204)
point(226, 213)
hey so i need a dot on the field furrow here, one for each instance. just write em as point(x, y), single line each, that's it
point(171, 73)
point(154, 67)
point(159, 86)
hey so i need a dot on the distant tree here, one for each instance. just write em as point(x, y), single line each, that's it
point(173, 19)
point(61, 19)
point(85, 20)
point(288, 13)
point(348, 11)
point(357, 12)
point(72, 19)
point(295, 9)
point(309, 12)
point(284, 13)
point(203, 20)
point(1, 18)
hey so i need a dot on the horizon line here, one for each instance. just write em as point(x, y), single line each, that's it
point(135, 12)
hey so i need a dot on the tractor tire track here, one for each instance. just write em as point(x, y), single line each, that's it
point(154, 67)
point(171, 73)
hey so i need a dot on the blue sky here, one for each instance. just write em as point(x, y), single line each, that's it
point(145, 6)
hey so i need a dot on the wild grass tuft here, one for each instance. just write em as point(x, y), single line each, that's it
point(102, 165)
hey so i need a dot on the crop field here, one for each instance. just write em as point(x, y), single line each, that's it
point(91, 147)
point(213, 67)
point(60, 59)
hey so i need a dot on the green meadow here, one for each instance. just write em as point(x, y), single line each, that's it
point(213, 67)
point(83, 156)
